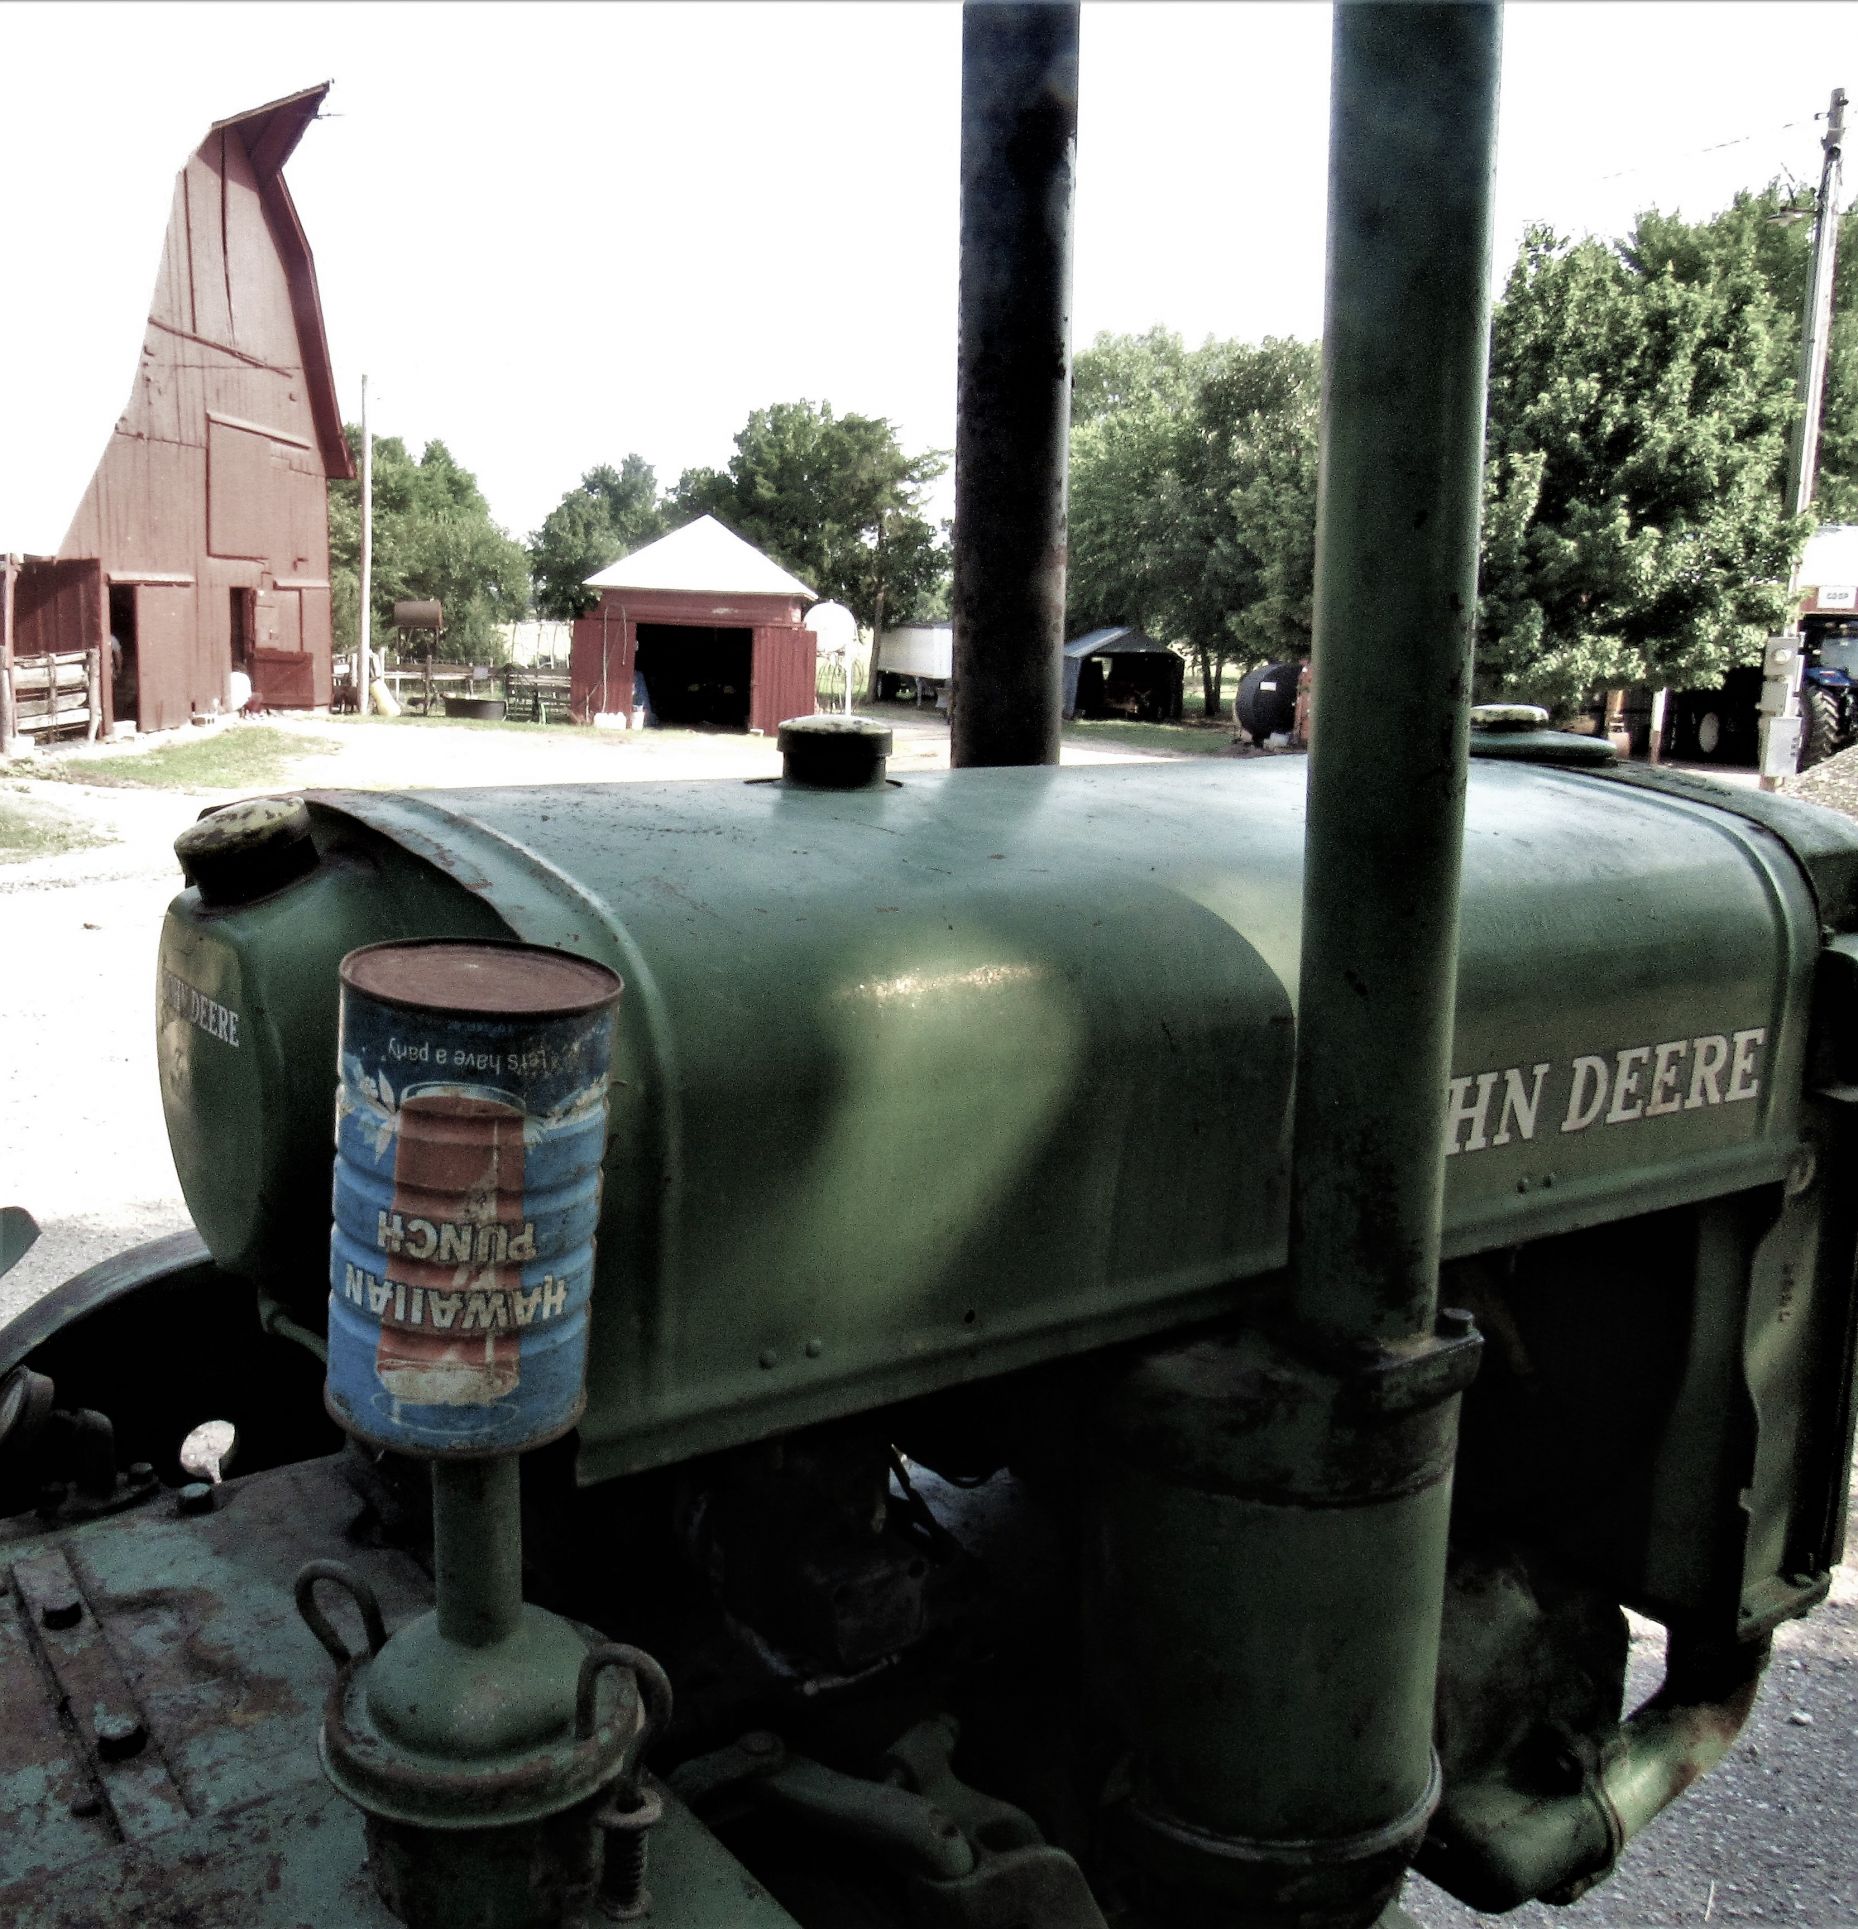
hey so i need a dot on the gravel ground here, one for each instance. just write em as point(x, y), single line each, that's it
point(1833, 784)
point(1768, 1838)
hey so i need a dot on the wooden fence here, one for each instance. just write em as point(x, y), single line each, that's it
point(49, 696)
point(537, 696)
point(531, 696)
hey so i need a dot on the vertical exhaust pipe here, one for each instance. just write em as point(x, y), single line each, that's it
point(1405, 357)
point(1275, 1499)
point(1013, 397)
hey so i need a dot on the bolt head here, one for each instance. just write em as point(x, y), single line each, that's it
point(196, 1497)
point(118, 1736)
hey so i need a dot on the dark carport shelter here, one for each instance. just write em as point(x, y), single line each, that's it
point(1122, 673)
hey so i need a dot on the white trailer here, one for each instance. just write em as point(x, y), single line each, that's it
point(921, 655)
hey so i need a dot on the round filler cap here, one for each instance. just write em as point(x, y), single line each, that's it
point(834, 753)
point(1519, 733)
point(1508, 716)
point(247, 850)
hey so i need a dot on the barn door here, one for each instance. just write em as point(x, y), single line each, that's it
point(786, 664)
point(282, 675)
point(164, 640)
point(600, 664)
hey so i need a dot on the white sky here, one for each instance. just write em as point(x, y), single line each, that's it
point(556, 233)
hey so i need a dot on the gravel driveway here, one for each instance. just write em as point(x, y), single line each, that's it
point(1768, 1838)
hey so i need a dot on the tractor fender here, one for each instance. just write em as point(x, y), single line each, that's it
point(160, 1339)
point(161, 1262)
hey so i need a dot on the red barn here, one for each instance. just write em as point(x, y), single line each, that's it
point(202, 543)
point(709, 624)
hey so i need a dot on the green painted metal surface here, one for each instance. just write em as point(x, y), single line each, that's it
point(196, 1615)
point(925, 1082)
point(18, 1233)
point(220, 1816)
point(1268, 1538)
point(246, 1032)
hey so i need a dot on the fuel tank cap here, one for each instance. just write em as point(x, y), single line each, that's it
point(834, 753)
point(1520, 731)
point(246, 850)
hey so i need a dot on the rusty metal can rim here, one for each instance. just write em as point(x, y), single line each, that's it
point(347, 1421)
point(458, 999)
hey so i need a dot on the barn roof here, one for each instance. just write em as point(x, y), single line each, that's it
point(92, 252)
point(703, 556)
point(271, 134)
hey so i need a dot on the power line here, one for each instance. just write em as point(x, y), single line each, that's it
point(1715, 147)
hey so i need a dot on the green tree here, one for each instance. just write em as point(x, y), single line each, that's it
point(1772, 231)
point(835, 499)
point(433, 538)
point(1634, 529)
point(1117, 373)
point(1193, 496)
point(608, 514)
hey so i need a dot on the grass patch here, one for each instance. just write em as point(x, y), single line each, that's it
point(477, 723)
point(513, 727)
point(30, 830)
point(1200, 739)
point(243, 757)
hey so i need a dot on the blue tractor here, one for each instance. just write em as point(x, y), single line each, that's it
point(1828, 688)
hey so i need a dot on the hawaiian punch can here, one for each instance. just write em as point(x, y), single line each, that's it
point(470, 1126)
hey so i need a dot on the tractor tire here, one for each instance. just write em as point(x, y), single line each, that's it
point(1820, 734)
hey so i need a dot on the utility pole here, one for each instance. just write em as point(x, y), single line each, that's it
point(1816, 328)
point(1780, 694)
point(363, 669)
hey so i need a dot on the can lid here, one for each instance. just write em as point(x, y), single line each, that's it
point(480, 978)
point(247, 850)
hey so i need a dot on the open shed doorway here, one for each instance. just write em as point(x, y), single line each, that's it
point(124, 671)
point(696, 677)
point(1144, 687)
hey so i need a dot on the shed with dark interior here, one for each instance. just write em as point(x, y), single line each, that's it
point(699, 630)
point(1120, 672)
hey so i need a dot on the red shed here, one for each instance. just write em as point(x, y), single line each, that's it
point(710, 625)
point(202, 542)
